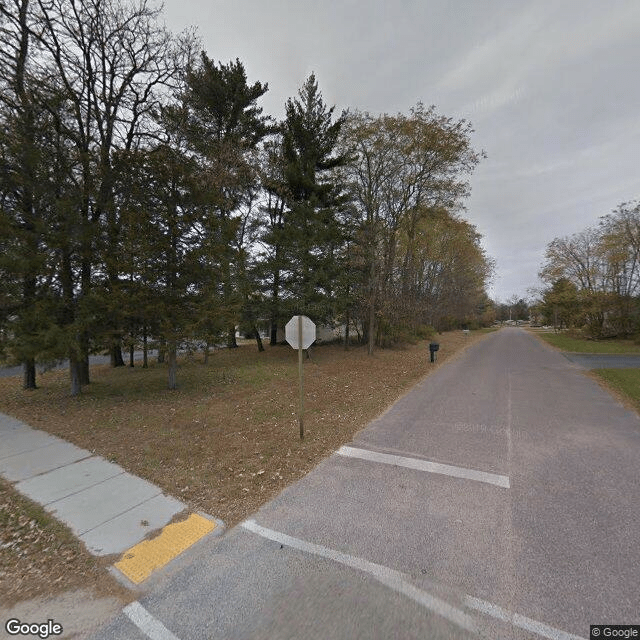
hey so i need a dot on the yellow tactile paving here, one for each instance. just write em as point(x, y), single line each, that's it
point(140, 561)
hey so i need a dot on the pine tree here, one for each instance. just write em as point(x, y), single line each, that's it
point(223, 126)
point(305, 232)
point(162, 232)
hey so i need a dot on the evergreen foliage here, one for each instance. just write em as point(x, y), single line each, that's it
point(146, 199)
point(314, 199)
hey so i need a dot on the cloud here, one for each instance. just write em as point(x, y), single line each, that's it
point(494, 100)
point(620, 21)
point(613, 147)
point(550, 88)
point(532, 51)
point(490, 55)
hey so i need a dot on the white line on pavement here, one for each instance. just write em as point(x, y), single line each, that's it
point(425, 465)
point(149, 625)
point(399, 582)
point(389, 577)
point(517, 620)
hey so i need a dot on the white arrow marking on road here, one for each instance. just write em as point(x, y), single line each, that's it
point(151, 627)
point(426, 465)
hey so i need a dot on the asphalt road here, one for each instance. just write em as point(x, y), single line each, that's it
point(499, 498)
point(6, 372)
point(603, 360)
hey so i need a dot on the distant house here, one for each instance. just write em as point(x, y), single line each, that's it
point(324, 333)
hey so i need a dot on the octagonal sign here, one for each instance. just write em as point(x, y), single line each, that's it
point(308, 332)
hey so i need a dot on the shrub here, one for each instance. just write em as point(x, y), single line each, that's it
point(425, 331)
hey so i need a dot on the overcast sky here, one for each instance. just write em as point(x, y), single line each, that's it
point(551, 87)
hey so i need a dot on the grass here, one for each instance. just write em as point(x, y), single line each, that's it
point(581, 345)
point(227, 440)
point(207, 442)
point(40, 556)
point(625, 382)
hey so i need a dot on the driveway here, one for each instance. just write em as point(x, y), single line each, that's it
point(603, 360)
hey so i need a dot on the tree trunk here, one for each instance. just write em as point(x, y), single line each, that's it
point(346, 331)
point(86, 259)
point(231, 338)
point(275, 304)
point(371, 329)
point(83, 363)
point(69, 316)
point(206, 352)
point(361, 337)
point(74, 372)
point(256, 333)
point(29, 374)
point(131, 349)
point(162, 347)
point(378, 339)
point(372, 305)
point(145, 362)
point(173, 365)
point(116, 355)
point(27, 169)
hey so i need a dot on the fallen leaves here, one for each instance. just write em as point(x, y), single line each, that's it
point(38, 555)
point(224, 453)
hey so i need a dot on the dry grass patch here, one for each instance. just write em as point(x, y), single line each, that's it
point(40, 556)
point(227, 440)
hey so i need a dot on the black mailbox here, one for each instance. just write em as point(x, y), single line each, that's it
point(433, 347)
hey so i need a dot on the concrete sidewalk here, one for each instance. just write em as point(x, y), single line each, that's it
point(109, 509)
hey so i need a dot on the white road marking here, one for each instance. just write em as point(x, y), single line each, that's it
point(509, 420)
point(151, 627)
point(388, 577)
point(517, 620)
point(425, 465)
point(400, 583)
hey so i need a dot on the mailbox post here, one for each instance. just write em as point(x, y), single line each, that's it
point(433, 347)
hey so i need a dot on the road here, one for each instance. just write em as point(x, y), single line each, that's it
point(6, 372)
point(498, 499)
point(604, 360)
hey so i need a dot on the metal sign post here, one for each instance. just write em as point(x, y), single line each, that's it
point(301, 375)
point(300, 333)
